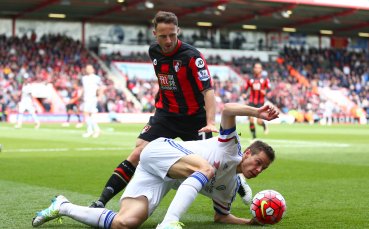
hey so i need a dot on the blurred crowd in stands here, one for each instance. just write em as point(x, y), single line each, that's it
point(335, 69)
point(59, 60)
point(54, 59)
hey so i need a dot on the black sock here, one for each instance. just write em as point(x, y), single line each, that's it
point(118, 181)
point(68, 117)
point(263, 125)
point(252, 129)
point(79, 118)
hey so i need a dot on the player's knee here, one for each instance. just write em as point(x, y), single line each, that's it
point(134, 157)
point(207, 170)
point(126, 222)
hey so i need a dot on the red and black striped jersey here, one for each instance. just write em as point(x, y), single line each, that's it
point(182, 76)
point(75, 96)
point(256, 85)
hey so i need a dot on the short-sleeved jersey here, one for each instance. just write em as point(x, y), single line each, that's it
point(91, 84)
point(256, 85)
point(224, 153)
point(75, 96)
point(182, 76)
point(26, 96)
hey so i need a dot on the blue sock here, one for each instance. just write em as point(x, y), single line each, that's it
point(184, 197)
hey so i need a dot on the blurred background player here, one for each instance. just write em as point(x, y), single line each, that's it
point(26, 103)
point(73, 105)
point(92, 89)
point(258, 88)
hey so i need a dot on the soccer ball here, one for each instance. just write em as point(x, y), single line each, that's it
point(268, 207)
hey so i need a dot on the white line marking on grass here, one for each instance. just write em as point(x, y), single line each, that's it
point(98, 149)
point(304, 144)
point(311, 144)
point(66, 149)
point(37, 150)
point(104, 131)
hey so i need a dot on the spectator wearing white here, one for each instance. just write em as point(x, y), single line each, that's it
point(26, 103)
point(92, 90)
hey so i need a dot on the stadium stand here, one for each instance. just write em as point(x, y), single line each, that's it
point(307, 81)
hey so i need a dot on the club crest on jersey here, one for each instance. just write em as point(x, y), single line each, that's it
point(145, 129)
point(203, 75)
point(154, 62)
point(216, 164)
point(177, 65)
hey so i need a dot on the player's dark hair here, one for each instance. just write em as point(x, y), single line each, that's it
point(260, 146)
point(165, 17)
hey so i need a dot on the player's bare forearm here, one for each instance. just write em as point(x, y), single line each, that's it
point(231, 110)
point(210, 107)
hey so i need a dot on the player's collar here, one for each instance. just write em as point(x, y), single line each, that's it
point(179, 43)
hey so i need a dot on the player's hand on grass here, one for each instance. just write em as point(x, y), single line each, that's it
point(252, 221)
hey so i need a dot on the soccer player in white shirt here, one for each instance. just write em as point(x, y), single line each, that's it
point(26, 104)
point(92, 88)
point(207, 166)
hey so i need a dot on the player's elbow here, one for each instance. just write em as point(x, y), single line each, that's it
point(227, 108)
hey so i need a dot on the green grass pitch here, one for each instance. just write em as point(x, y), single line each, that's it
point(322, 171)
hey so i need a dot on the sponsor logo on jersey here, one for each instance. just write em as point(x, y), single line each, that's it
point(256, 86)
point(203, 75)
point(167, 82)
point(199, 62)
point(177, 65)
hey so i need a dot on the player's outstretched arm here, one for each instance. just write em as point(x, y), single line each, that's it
point(231, 110)
point(210, 107)
point(231, 219)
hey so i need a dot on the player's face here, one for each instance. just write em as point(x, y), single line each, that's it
point(89, 69)
point(257, 69)
point(253, 165)
point(166, 36)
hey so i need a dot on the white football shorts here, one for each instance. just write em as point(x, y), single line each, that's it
point(150, 179)
point(23, 106)
point(90, 106)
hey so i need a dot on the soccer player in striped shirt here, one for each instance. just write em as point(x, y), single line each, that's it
point(258, 88)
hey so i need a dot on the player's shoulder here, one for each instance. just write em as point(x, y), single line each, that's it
point(191, 50)
point(154, 47)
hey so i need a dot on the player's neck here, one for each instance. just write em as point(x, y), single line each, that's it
point(238, 168)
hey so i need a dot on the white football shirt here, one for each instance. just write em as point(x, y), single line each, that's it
point(224, 153)
point(91, 84)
